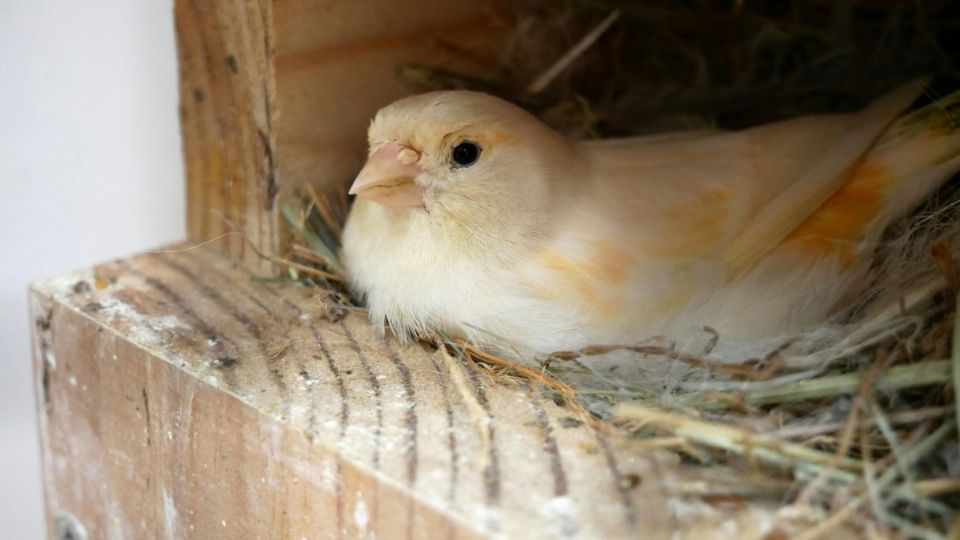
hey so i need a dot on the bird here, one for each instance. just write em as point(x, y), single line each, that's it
point(474, 219)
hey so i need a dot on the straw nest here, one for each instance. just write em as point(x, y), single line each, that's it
point(856, 419)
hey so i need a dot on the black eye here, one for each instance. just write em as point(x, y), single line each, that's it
point(466, 153)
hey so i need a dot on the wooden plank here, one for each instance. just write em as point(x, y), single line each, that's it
point(225, 50)
point(178, 398)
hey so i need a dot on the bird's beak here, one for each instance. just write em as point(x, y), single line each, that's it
point(388, 177)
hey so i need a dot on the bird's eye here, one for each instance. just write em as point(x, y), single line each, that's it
point(466, 153)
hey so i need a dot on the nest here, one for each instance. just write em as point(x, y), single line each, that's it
point(856, 419)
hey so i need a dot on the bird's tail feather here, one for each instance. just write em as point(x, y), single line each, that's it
point(820, 182)
point(910, 159)
point(914, 156)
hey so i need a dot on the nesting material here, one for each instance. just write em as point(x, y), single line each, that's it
point(856, 419)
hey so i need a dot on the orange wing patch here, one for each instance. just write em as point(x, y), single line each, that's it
point(608, 264)
point(695, 226)
point(591, 280)
point(839, 224)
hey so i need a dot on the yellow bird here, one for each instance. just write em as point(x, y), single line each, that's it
point(475, 219)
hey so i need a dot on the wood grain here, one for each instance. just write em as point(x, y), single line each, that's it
point(336, 65)
point(185, 400)
point(225, 52)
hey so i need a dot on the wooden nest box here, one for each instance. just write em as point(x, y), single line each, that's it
point(181, 397)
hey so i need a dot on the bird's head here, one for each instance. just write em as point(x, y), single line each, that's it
point(456, 149)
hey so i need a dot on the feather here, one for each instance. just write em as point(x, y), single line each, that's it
point(829, 173)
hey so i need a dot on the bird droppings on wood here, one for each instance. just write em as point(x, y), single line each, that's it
point(629, 481)
point(81, 287)
point(225, 362)
point(335, 312)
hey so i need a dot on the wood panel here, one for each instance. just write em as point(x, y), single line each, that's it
point(336, 65)
point(179, 398)
point(225, 50)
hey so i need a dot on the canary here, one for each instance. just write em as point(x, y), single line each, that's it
point(475, 219)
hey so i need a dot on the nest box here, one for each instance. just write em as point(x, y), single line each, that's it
point(181, 397)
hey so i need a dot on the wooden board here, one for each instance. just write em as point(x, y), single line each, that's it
point(225, 54)
point(179, 398)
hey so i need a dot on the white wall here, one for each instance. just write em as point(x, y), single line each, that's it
point(90, 169)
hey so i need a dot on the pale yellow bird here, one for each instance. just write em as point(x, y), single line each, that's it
point(476, 219)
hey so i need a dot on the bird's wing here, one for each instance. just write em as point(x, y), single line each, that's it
point(816, 183)
point(660, 222)
point(913, 157)
point(730, 197)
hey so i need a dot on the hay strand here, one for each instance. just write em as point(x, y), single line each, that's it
point(738, 440)
point(955, 359)
point(924, 373)
point(563, 63)
point(910, 457)
point(480, 417)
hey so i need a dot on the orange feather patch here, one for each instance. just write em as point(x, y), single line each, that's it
point(591, 279)
point(840, 223)
point(695, 226)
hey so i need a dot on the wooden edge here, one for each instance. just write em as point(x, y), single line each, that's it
point(179, 397)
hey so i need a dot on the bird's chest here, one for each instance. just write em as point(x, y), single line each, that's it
point(415, 277)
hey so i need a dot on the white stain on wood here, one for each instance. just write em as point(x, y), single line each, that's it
point(361, 517)
point(171, 519)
